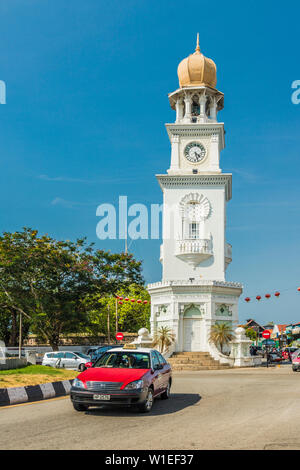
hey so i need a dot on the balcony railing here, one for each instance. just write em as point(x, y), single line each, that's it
point(193, 251)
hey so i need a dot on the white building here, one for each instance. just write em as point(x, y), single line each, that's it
point(193, 293)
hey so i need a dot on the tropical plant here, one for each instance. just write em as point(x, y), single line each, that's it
point(221, 334)
point(163, 338)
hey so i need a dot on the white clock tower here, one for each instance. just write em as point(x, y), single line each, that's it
point(193, 293)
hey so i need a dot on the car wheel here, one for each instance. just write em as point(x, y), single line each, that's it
point(81, 367)
point(166, 394)
point(79, 407)
point(147, 406)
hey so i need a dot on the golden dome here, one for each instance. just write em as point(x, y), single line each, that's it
point(197, 70)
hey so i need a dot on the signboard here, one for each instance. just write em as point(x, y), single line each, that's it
point(268, 342)
point(130, 346)
point(119, 336)
point(266, 334)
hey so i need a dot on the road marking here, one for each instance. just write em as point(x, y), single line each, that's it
point(33, 402)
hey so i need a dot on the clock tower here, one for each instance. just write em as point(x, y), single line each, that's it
point(193, 293)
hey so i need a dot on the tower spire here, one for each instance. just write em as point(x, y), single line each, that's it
point(197, 46)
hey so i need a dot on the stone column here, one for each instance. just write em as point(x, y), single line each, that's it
point(213, 109)
point(174, 153)
point(188, 109)
point(179, 110)
point(202, 102)
point(214, 152)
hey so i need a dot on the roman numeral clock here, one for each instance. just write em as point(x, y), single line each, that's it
point(194, 252)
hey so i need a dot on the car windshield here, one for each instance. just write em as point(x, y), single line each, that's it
point(124, 360)
point(84, 356)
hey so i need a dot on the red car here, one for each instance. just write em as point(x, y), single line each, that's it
point(123, 376)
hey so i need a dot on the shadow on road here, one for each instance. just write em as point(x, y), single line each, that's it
point(176, 402)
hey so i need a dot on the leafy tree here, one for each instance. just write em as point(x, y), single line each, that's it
point(47, 280)
point(251, 334)
point(9, 323)
point(221, 334)
point(163, 338)
point(134, 315)
point(131, 315)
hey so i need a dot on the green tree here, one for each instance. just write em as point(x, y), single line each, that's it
point(131, 315)
point(9, 323)
point(134, 315)
point(251, 334)
point(221, 334)
point(47, 280)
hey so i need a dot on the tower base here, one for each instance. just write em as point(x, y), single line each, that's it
point(190, 308)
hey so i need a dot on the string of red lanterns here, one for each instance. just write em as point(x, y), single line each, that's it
point(127, 299)
point(267, 296)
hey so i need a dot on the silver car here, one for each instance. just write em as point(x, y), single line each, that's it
point(66, 359)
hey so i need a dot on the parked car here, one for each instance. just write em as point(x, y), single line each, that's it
point(296, 362)
point(66, 359)
point(100, 351)
point(123, 376)
point(275, 357)
point(92, 349)
point(256, 350)
point(287, 353)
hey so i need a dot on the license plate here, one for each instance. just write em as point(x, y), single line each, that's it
point(101, 397)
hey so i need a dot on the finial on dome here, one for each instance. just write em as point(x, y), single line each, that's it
point(197, 70)
point(197, 47)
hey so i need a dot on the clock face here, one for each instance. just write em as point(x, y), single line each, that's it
point(195, 152)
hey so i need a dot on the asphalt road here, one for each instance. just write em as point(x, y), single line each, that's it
point(223, 409)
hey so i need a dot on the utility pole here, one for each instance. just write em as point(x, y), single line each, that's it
point(117, 323)
point(20, 337)
point(126, 249)
point(108, 324)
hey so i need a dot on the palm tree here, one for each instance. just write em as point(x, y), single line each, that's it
point(163, 338)
point(221, 334)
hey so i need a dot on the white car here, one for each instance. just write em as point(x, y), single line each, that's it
point(66, 359)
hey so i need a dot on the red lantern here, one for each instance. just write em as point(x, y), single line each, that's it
point(126, 298)
point(132, 300)
point(139, 301)
point(277, 294)
point(121, 298)
point(247, 299)
point(120, 302)
point(145, 302)
point(258, 297)
point(298, 289)
point(267, 296)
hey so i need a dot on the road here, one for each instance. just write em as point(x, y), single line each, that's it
point(222, 409)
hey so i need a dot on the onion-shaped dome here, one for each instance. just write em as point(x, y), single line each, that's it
point(197, 70)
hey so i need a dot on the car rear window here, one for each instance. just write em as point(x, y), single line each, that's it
point(124, 360)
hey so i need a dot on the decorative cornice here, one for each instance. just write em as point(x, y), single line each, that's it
point(197, 130)
point(173, 181)
point(199, 287)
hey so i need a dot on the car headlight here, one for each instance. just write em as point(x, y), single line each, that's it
point(78, 384)
point(134, 385)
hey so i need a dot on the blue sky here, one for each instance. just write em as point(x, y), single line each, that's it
point(87, 85)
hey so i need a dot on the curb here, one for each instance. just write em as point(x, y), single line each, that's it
point(30, 393)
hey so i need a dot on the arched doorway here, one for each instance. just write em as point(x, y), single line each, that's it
point(192, 323)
